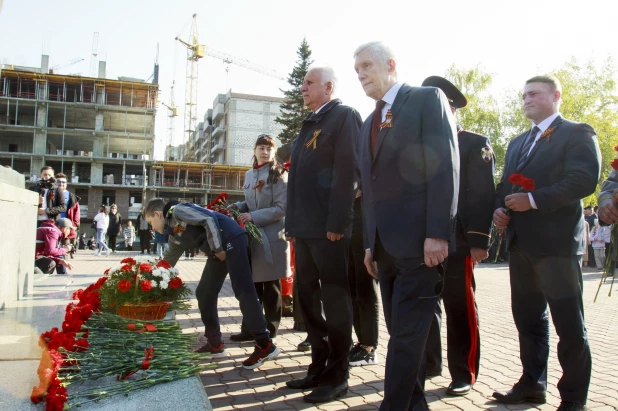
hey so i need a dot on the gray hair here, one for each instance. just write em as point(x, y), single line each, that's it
point(327, 74)
point(378, 50)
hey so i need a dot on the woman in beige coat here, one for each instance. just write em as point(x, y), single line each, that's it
point(265, 203)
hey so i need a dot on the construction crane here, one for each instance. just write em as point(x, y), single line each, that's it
point(173, 112)
point(65, 65)
point(195, 52)
point(94, 55)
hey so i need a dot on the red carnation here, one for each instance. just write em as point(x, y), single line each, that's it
point(129, 261)
point(528, 184)
point(163, 264)
point(125, 268)
point(516, 179)
point(106, 271)
point(131, 327)
point(124, 285)
point(175, 282)
point(615, 164)
point(145, 267)
point(100, 282)
point(147, 285)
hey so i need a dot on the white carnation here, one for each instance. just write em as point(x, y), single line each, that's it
point(174, 271)
point(165, 276)
point(115, 268)
point(163, 285)
point(157, 272)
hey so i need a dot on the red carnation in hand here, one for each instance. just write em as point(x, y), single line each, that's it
point(163, 264)
point(125, 268)
point(516, 179)
point(145, 267)
point(129, 261)
point(615, 164)
point(527, 184)
point(146, 285)
point(175, 282)
point(124, 285)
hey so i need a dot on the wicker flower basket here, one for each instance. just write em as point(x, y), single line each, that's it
point(144, 311)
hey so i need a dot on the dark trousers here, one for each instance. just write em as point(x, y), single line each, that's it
point(269, 295)
point(144, 240)
point(410, 292)
point(462, 324)
point(537, 282)
point(190, 252)
point(364, 293)
point(591, 261)
point(321, 276)
point(112, 242)
point(207, 292)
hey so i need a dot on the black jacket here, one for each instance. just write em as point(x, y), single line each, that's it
point(565, 168)
point(477, 192)
point(321, 184)
point(54, 201)
point(115, 221)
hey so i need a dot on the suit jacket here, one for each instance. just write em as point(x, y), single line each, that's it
point(565, 168)
point(322, 180)
point(477, 192)
point(410, 187)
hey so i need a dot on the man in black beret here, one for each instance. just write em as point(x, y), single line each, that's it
point(474, 216)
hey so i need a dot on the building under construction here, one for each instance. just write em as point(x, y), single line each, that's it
point(100, 133)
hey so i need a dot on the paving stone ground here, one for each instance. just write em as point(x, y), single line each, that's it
point(230, 387)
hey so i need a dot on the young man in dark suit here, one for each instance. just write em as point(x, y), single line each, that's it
point(546, 242)
point(409, 171)
point(321, 190)
point(474, 214)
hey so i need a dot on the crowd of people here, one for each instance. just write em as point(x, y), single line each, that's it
point(402, 204)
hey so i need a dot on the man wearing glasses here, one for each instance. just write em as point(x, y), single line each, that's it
point(72, 209)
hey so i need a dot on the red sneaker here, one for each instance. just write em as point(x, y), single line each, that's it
point(215, 352)
point(260, 355)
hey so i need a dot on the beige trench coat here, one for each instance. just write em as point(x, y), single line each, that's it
point(266, 203)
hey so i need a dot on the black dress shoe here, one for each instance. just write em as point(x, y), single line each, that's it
point(458, 388)
point(518, 395)
point(571, 406)
point(432, 373)
point(304, 346)
point(325, 393)
point(310, 381)
point(240, 337)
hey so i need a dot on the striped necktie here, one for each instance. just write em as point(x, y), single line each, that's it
point(526, 147)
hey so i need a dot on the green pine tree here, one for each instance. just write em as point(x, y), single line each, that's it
point(293, 110)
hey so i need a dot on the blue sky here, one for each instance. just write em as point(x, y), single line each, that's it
point(513, 40)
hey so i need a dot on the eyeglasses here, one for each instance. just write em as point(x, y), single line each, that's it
point(61, 182)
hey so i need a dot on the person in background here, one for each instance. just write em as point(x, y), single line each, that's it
point(102, 220)
point(129, 236)
point(72, 213)
point(161, 242)
point(82, 244)
point(591, 218)
point(597, 238)
point(144, 231)
point(587, 257)
point(115, 226)
point(49, 250)
point(92, 243)
point(51, 203)
point(265, 202)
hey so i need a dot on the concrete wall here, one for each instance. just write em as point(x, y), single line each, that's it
point(18, 208)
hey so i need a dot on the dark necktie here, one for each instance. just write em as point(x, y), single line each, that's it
point(375, 125)
point(526, 147)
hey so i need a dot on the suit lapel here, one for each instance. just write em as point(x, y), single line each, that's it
point(540, 142)
point(400, 99)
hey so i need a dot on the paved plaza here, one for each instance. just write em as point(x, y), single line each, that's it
point(230, 387)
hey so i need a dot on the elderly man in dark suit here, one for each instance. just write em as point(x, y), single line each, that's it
point(409, 170)
point(546, 243)
point(321, 190)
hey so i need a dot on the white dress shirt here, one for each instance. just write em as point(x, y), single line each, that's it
point(543, 126)
point(389, 99)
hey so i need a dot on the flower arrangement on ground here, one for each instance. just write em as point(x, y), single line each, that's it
point(142, 280)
